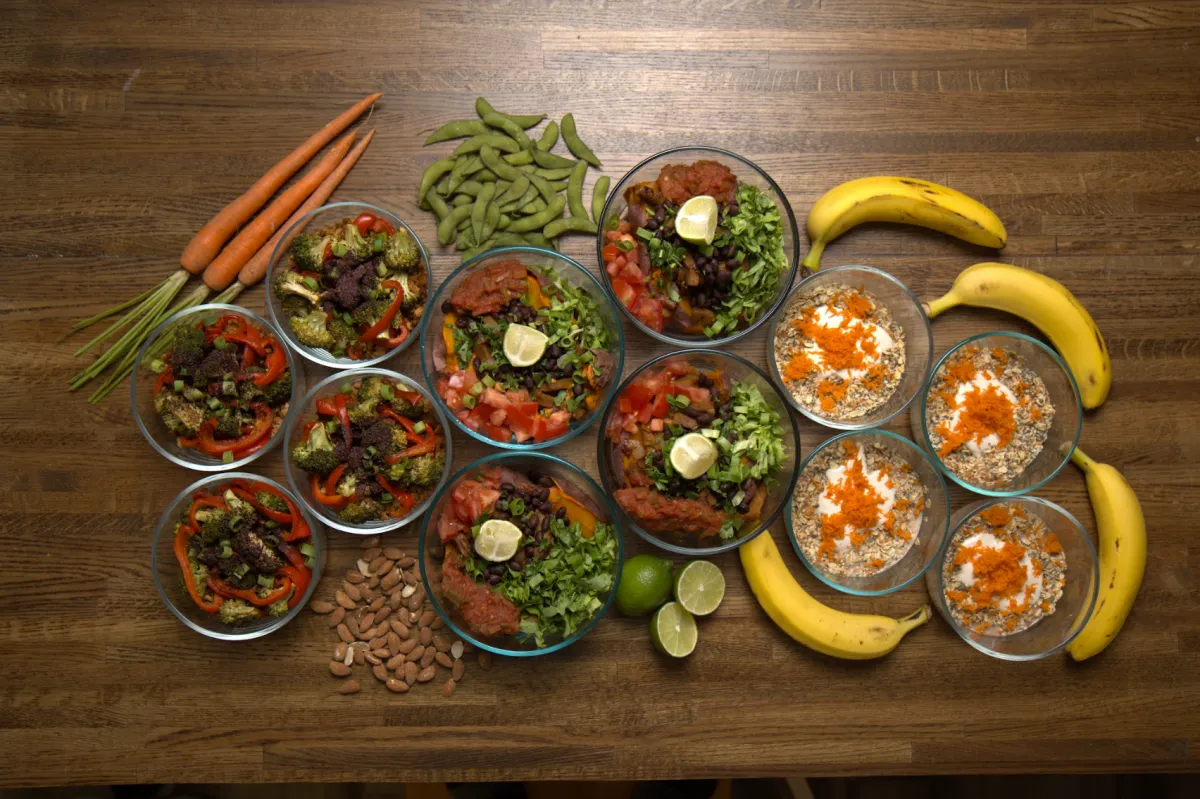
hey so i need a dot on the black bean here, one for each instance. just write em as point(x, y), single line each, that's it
point(501, 514)
point(561, 513)
point(447, 307)
point(733, 209)
point(749, 486)
point(530, 550)
point(545, 525)
point(476, 363)
point(555, 350)
point(494, 579)
point(515, 565)
point(578, 390)
point(700, 300)
point(705, 418)
point(702, 380)
point(660, 214)
point(528, 383)
point(546, 482)
point(692, 412)
point(462, 322)
point(651, 224)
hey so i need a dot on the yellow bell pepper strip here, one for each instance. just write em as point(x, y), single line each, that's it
point(575, 511)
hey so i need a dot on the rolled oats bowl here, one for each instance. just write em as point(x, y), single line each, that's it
point(850, 347)
point(1018, 577)
point(869, 512)
point(1000, 414)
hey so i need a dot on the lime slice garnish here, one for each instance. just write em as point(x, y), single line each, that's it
point(524, 345)
point(692, 455)
point(696, 220)
point(700, 587)
point(673, 630)
point(497, 540)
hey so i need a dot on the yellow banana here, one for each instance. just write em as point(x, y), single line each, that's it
point(908, 200)
point(1046, 304)
point(853, 636)
point(1122, 533)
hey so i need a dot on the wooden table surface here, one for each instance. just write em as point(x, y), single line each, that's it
point(125, 125)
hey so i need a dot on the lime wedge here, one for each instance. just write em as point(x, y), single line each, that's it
point(497, 540)
point(696, 220)
point(692, 455)
point(673, 630)
point(700, 587)
point(524, 345)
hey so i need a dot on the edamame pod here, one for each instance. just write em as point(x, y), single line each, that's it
point(552, 211)
point(483, 107)
point(457, 130)
point(482, 248)
point(462, 199)
point(469, 187)
point(520, 158)
point(495, 163)
point(599, 195)
point(465, 240)
point(459, 173)
point(498, 141)
point(501, 122)
point(466, 223)
point(536, 238)
point(515, 190)
point(575, 190)
point(543, 186)
point(479, 209)
point(575, 144)
point(557, 174)
point(437, 204)
point(485, 175)
point(557, 185)
point(549, 137)
point(504, 222)
point(575, 224)
point(491, 218)
point(431, 175)
point(447, 226)
point(533, 207)
point(525, 199)
point(551, 161)
point(508, 240)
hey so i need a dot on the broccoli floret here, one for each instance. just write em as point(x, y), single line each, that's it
point(292, 283)
point(359, 246)
point(229, 426)
point(365, 510)
point(238, 507)
point(295, 305)
point(279, 391)
point(237, 611)
point(214, 524)
point(343, 332)
point(187, 349)
point(371, 311)
point(199, 573)
point(347, 485)
point(181, 417)
point(308, 250)
point(399, 438)
point(413, 410)
point(280, 607)
point(426, 469)
point(272, 501)
point(367, 401)
point(311, 329)
point(398, 472)
point(402, 251)
point(315, 454)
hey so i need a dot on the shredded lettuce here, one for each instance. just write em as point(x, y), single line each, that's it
point(757, 232)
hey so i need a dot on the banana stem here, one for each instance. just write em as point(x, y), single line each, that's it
point(812, 261)
point(940, 305)
point(1081, 460)
point(915, 619)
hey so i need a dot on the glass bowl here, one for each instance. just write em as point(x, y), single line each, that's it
point(298, 479)
point(1064, 430)
point(735, 368)
point(746, 172)
point(566, 269)
point(431, 548)
point(141, 390)
point(1082, 581)
point(930, 537)
point(906, 311)
point(169, 582)
point(280, 260)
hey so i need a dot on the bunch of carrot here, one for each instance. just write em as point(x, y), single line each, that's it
point(230, 267)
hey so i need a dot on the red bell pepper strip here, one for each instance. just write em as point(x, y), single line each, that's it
point(399, 494)
point(411, 397)
point(335, 501)
point(222, 588)
point(385, 321)
point(264, 419)
point(182, 534)
point(325, 407)
point(299, 527)
point(343, 415)
point(390, 413)
point(276, 364)
point(270, 513)
point(363, 222)
point(300, 578)
point(164, 377)
point(203, 500)
point(396, 341)
point(382, 226)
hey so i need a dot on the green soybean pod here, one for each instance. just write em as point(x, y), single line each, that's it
point(495, 163)
point(442, 187)
point(575, 144)
point(543, 186)
point(549, 137)
point(447, 226)
point(535, 238)
point(557, 185)
point(528, 169)
point(501, 122)
point(537, 221)
point(599, 195)
point(466, 223)
point(533, 207)
point(557, 174)
point(498, 141)
point(469, 187)
point(457, 129)
point(575, 190)
point(482, 248)
point(504, 221)
point(479, 209)
point(438, 205)
point(431, 175)
point(514, 191)
point(551, 161)
point(483, 107)
point(520, 158)
point(459, 173)
point(491, 218)
point(462, 199)
point(575, 224)
point(486, 175)
point(525, 199)
point(465, 240)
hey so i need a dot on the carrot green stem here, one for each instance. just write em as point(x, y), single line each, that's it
point(230, 294)
point(116, 309)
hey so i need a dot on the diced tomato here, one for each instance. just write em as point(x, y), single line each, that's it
point(648, 311)
point(546, 429)
point(610, 252)
point(624, 405)
point(498, 417)
point(693, 393)
point(632, 273)
point(471, 498)
point(626, 293)
point(448, 527)
point(638, 393)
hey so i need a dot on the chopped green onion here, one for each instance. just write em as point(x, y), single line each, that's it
point(220, 343)
point(227, 457)
point(468, 401)
point(380, 270)
point(682, 400)
point(477, 389)
point(157, 366)
point(385, 498)
point(271, 524)
point(266, 580)
point(178, 386)
point(310, 563)
point(308, 550)
point(241, 570)
point(214, 403)
point(347, 318)
point(371, 449)
point(386, 392)
point(378, 244)
point(705, 249)
point(489, 381)
point(347, 388)
point(338, 352)
point(516, 507)
point(559, 399)
point(311, 282)
point(209, 320)
point(625, 246)
point(229, 387)
point(194, 394)
point(419, 428)
point(226, 550)
point(646, 235)
point(614, 222)
point(340, 248)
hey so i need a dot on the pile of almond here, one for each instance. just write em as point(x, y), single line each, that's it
point(384, 621)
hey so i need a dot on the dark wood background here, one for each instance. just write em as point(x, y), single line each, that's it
point(125, 125)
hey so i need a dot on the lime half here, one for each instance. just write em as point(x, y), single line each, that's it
point(673, 630)
point(692, 455)
point(497, 540)
point(696, 220)
point(524, 345)
point(700, 587)
point(645, 585)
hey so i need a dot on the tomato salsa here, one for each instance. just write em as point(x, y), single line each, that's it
point(505, 401)
point(676, 286)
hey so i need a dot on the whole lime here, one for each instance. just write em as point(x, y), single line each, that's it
point(646, 582)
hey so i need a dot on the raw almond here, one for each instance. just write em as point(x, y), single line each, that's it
point(368, 593)
point(382, 613)
point(437, 624)
point(448, 688)
point(408, 591)
point(352, 624)
point(410, 578)
point(444, 660)
point(355, 576)
point(380, 672)
point(383, 653)
point(405, 562)
point(349, 658)
point(397, 686)
point(485, 660)
point(416, 654)
point(396, 661)
point(374, 659)
point(338, 669)
point(426, 674)
point(427, 618)
point(378, 643)
point(410, 672)
point(399, 628)
point(370, 542)
point(363, 567)
point(413, 603)
point(336, 617)
point(377, 604)
point(385, 567)
point(377, 563)
point(427, 659)
point(389, 580)
point(367, 621)
point(456, 671)
point(374, 581)
point(369, 554)
point(393, 641)
point(360, 656)
point(395, 601)
point(321, 606)
point(407, 646)
point(426, 636)
point(393, 553)
point(351, 590)
point(339, 651)
point(441, 643)
point(456, 650)
point(349, 687)
point(344, 633)
point(344, 600)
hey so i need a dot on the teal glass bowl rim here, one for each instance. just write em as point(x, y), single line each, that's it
point(429, 523)
point(791, 532)
point(925, 428)
point(511, 446)
point(311, 353)
point(166, 518)
point(602, 459)
point(773, 363)
point(784, 282)
point(972, 510)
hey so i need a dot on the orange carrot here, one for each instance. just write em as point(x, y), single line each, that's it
point(224, 268)
point(205, 245)
point(256, 267)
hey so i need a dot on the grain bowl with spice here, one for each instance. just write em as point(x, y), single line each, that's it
point(1000, 415)
point(851, 347)
point(869, 512)
point(1018, 577)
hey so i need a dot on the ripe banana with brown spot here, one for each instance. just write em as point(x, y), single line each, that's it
point(854, 636)
point(1046, 304)
point(1122, 533)
point(906, 200)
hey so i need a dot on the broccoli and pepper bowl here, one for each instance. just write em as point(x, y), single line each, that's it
point(367, 450)
point(214, 387)
point(236, 556)
point(348, 285)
